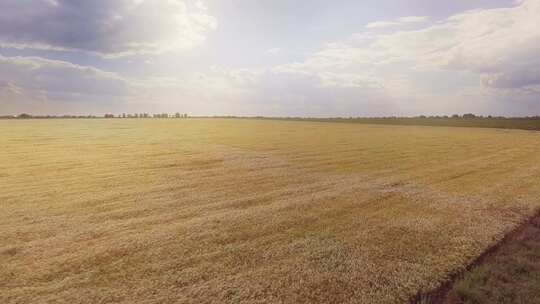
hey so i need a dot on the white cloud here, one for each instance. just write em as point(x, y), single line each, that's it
point(35, 74)
point(39, 85)
point(200, 5)
point(110, 28)
point(381, 24)
point(51, 2)
point(413, 19)
point(427, 68)
point(274, 51)
point(400, 21)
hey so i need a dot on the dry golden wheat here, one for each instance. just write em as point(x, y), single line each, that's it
point(248, 211)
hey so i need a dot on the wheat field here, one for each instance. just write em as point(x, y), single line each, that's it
point(251, 211)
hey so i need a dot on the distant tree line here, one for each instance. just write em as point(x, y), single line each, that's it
point(123, 115)
point(146, 115)
point(456, 120)
point(30, 116)
point(455, 116)
point(184, 115)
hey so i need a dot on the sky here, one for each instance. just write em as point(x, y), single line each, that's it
point(313, 58)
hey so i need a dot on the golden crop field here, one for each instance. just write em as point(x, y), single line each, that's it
point(251, 211)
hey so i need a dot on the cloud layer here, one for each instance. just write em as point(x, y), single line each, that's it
point(484, 61)
point(111, 28)
point(31, 81)
point(473, 53)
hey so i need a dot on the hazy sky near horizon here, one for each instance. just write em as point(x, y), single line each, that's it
point(270, 57)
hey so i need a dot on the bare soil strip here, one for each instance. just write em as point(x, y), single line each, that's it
point(510, 246)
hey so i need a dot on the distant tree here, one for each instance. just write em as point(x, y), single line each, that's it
point(456, 116)
point(469, 115)
point(109, 115)
point(24, 116)
point(177, 115)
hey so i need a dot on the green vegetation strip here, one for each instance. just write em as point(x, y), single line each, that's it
point(517, 123)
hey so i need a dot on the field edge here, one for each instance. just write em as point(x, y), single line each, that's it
point(440, 294)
